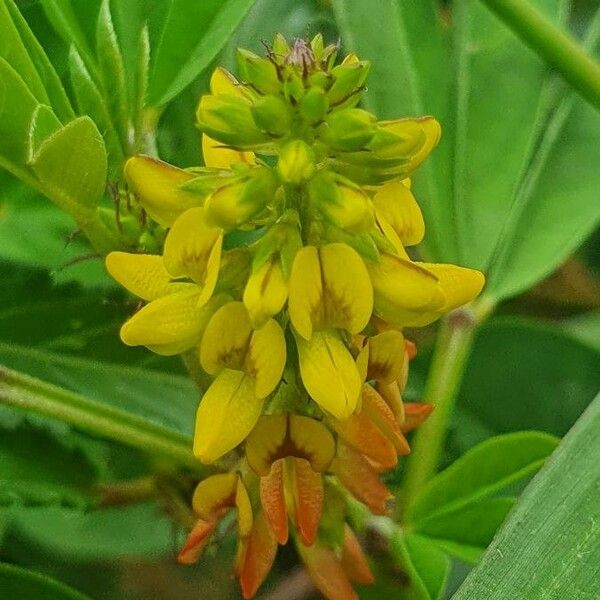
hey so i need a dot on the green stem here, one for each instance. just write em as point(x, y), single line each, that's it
point(27, 393)
point(554, 45)
point(449, 361)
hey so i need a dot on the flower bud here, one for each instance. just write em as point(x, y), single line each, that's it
point(273, 115)
point(293, 88)
point(234, 204)
point(296, 162)
point(261, 73)
point(280, 47)
point(342, 202)
point(348, 130)
point(228, 119)
point(347, 83)
point(314, 105)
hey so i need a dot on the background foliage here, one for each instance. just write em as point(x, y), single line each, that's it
point(512, 189)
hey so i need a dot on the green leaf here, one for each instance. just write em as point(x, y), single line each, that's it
point(466, 532)
point(22, 583)
point(499, 396)
point(73, 177)
point(192, 35)
point(483, 471)
point(425, 567)
point(17, 108)
point(549, 547)
point(164, 400)
point(53, 86)
point(90, 102)
point(39, 468)
point(16, 55)
point(112, 71)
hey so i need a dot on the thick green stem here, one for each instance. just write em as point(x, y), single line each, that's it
point(449, 360)
point(27, 393)
point(553, 44)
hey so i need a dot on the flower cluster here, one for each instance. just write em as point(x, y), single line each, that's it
point(284, 276)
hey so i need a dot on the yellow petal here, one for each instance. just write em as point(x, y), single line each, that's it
point(244, 509)
point(223, 82)
point(390, 233)
point(305, 290)
point(329, 373)
point(401, 285)
point(281, 436)
point(213, 494)
point(329, 288)
point(226, 339)
point(171, 324)
point(218, 156)
point(459, 284)
point(386, 356)
point(227, 413)
point(266, 357)
point(397, 204)
point(156, 184)
point(265, 293)
point(348, 292)
point(142, 274)
point(193, 249)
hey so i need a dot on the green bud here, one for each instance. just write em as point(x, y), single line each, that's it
point(314, 105)
point(342, 202)
point(280, 47)
point(273, 115)
point(363, 243)
point(347, 83)
point(320, 79)
point(238, 202)
point(229, 120)
point(293, 88)
point(296, 162)
point(207, 181)
point(348, 130)
point(317, 46)
point(261, 73)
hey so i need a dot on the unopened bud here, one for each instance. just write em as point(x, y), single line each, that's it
point(348, 130)
point(342, 202)
point(273, 115)
point(261, 73)
point(348, 80)
point(234, 204)
point(314, 105)
point(296, 162)
point(229, 120)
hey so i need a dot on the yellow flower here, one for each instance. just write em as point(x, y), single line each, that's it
point(247, 364)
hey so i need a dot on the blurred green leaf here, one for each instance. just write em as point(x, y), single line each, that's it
point(467, 531)
point(483, 471)
point(523, 374)
point(549, 546)
point(159, 398)
point(192, 35)
point(40, 468)
point(586, 328)
point(21, 583)
point(69, 177)
point(53, 89)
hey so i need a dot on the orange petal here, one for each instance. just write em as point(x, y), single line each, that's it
point(272, 498)
point(381, 414)
point(327, 572)
point(416, 413)
point(360, 479)
point(258, 557)
point(354, 561)
point(196, 542)
point(362, 434)
point(307, 491)
point(410, 348)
